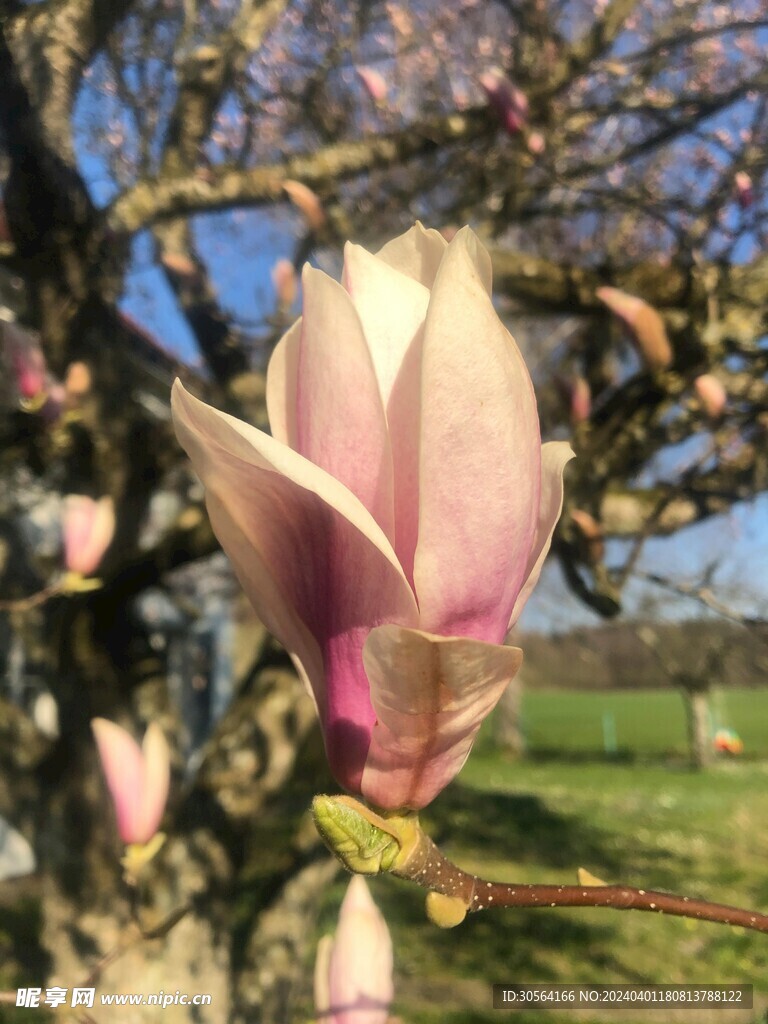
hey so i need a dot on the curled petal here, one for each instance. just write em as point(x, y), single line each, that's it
point(282, 387)
point(430, 695)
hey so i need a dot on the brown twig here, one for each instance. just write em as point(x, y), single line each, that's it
point(25, 604)
point(429, 868)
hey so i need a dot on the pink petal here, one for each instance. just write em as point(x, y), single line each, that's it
point(157, 779)
point(430, 695)
point(123, 765)
point(393, 331)
point(480, 463)
point(341, 425)
point(555, 455)
point(360, 968)
point(416, 254)
point(389, 326)
point(282, 385)
point(316, 566)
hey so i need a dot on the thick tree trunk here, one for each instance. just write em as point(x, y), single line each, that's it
point(509, 725)
point(241, 857)
point(699, 727)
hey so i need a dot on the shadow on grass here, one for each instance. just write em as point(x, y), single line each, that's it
point(457, 968)
point(518, 827)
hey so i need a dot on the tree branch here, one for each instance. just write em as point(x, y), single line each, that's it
point(153, 199)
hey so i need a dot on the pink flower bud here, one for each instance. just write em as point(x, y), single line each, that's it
point(536, 143)
point(180, 264)
point(286, 285)
point(88, 527)
point(353, 972)
point(307, 201)
point(711, 394)
point(77, 382)
point(26, 359)
point(581, 400)
point(509, 102)
point(644, 323)
point(744, 190)
point(374, 82)
point(591, 532)
point(138, 777)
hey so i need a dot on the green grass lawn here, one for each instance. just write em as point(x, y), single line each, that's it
point(646, 723)
point(648, 825)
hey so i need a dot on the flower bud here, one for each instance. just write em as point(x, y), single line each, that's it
point(138, 777)
point(353, 972)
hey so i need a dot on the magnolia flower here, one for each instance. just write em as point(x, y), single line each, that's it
point(138, 777)
point(644, 324)
point(88, 527)
point(353, 970)
point(392, 528)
